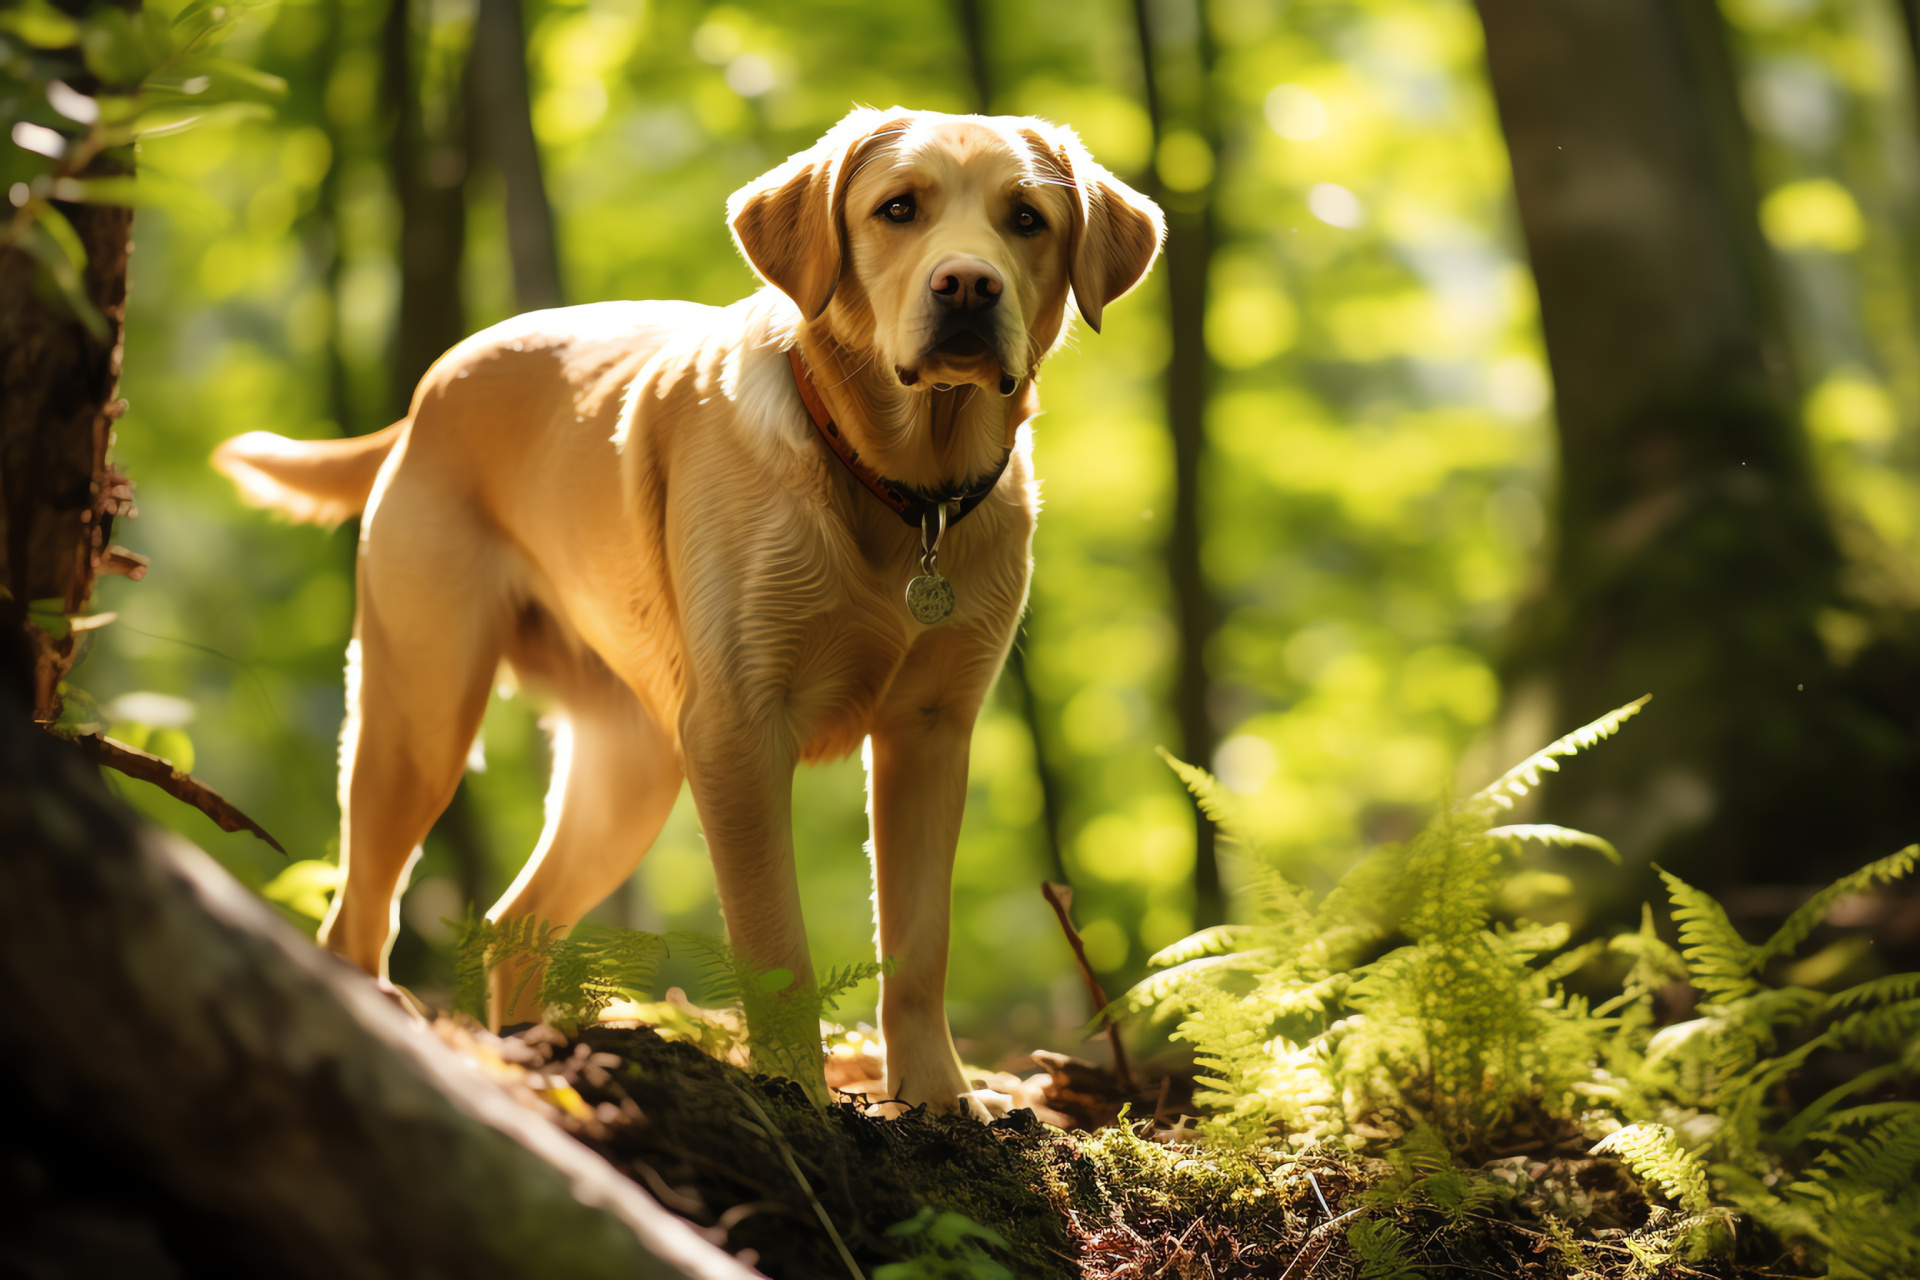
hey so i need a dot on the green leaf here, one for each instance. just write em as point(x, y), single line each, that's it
point(1523, 777)
point(1653, 1152)
point(1566, 837)
point(1719, 961)
point(305, 888)
point(1213, 798)
point(775, 980)
point(1803, 922)
point(52, 241)
point(40, 25)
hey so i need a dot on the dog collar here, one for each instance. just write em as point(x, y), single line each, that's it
point(912, 505)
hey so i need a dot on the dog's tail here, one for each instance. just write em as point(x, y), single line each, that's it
point(311, 481)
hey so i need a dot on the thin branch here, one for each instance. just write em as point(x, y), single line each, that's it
point(1060, 898)
point(135, 763)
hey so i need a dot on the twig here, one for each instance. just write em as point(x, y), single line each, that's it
point(122, 758)
point(1307, 1244)
point(1060, 897)
point(1319, 1194)
point(772, 1132)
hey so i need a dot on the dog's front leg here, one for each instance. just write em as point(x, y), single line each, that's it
point(740, 767)
point(919, 790)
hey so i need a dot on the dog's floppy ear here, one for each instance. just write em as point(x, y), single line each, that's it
point(789, 223)
point(1116, 231)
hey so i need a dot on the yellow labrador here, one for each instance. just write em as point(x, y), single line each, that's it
point(729, 540)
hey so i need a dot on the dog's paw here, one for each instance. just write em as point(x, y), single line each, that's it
point(986, 1105)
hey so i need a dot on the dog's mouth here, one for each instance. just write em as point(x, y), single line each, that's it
point(962, 346)
point(965, 348)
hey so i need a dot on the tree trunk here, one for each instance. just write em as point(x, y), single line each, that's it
point(1693, 553)
point(502, 121)
point(1188, 63)
point(59, 399)
point(428, 160)
point(428, 157)
point(239, 1075)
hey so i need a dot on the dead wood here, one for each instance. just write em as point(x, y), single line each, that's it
point(133, 762)
point(161, 1010)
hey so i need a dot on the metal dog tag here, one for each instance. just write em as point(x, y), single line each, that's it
point(930, 598)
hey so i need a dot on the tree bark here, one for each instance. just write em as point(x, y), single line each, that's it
point(500, 112)
point(428, 160)
point(59, 399)
point(1693, 553)
point(163, 1011)
point(1189, 255)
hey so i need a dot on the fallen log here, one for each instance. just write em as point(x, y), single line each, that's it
point(165, 1013)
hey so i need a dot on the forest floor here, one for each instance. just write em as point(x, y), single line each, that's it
point(1065, 1186)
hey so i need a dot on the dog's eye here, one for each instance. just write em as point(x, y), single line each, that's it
point(898, 209)
point(1027, 222)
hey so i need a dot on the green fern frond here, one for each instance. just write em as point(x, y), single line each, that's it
point(1208, 942)
point(1796, 1130)
point(1803, 922)
point(1523, 777)
point(1886, 990)
point(838, 982)
point(1655, 1154)
point(595, 964)
point(472, 937)
point(1883, 1158)
point(1565, 837)
point(1213, 798)
point(1887, 1026)
point(1719, 961)
point(724, 978)
point(1179, 983)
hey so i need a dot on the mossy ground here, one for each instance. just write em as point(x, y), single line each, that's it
point(730, 1151)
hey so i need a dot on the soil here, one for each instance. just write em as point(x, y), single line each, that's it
point(804, 1193)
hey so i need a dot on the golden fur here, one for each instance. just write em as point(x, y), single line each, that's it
point(628, 503)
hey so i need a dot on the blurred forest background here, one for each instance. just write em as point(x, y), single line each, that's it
point(1502, 367)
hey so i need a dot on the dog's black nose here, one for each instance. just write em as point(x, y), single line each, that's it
point(966, 284)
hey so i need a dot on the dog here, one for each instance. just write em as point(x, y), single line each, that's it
point(727, 541)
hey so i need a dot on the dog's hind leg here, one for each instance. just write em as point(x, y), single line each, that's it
point(425, 647)
point(615, 778)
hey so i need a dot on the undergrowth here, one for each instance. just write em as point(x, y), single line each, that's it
point(584, 969)
point(1397, 1017)
point(1397, 1077)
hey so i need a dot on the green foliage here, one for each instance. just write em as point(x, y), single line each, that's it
point(586, 968)
point(783, 1018)
point(1461, 1030)
point(949, 1246)
point(1453, 1029)
point(1653, 1152)
point(1383, 1249)
point(581, 970)
point(157, 74)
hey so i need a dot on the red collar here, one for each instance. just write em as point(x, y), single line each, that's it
point(910, 504)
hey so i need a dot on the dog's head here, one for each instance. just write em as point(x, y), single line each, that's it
point(946, 245)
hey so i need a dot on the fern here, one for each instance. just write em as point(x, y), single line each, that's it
point(1305, 1034)
point(581, 971)
point(1518, 781)
point(1383, 1250)
point(1653, 1152)
point(1214, 799)
point(1803, 922)
point(1719, 961)
point(1566, 837)
point(783, 1017)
